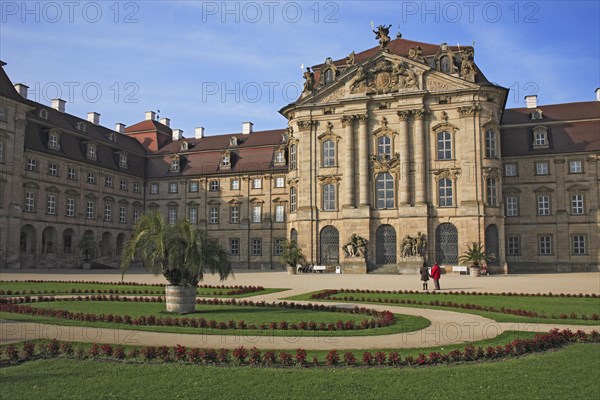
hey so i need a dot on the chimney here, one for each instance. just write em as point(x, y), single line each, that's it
point(531, 101)
point(247, 128)
point(597, 94)
point(119, 127)
point(22, 89)
point(150, 116)
point(94, 118)
point(59, 105)
point(199, 133)
point(177, 134)
point(166, 122)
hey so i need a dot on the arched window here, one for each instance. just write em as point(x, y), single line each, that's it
point(444, 145)
point(328, 76)
point(293, 199)
point(293, 157)
point(328, 153)
point(68, 244)
point(384, 148)
point(445, 64)
point(329, 197)
point(330, 246)
point(491, 243)
point(49, 240)
point(384, 187)
point(446, 244)
point(385, 245)
point(445, 193)
point(294, 235)
point(490, 144)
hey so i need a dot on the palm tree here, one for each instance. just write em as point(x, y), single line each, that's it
point(181, 252)
point(292, 254)
point(476, 254)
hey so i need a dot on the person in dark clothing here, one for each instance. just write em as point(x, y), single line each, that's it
point(424, 275)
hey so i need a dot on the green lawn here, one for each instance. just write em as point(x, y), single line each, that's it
point(547, 305)
point(66, 288)
point(569, 373)
point(250, 315)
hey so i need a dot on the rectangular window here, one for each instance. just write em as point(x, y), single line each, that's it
point(71, 174)
point(214, 215)
point(107, 212)
point(123, 160)
point(235, 184)
point(575, 167)
point(172, 215)
point(540, 138)
point(293, 196)
point(545, 245)
point(136, 187)
point(444, 146)
point(154, 188)
point(172, 187)
point(279, 182)
point(193, 215)
point(52, 169)
point(108, 182)
point(541, 168)
point(175, 164)
point(31, 164)
point(30, 201)
point(293, 156)
point(91, 178)
point(490, 144)
point(91, 151)
point(279, 213)
point(194, 186)
point(328, 153)
point(512, 206)
point(280, 157)
point(256, 213)
point(70, 207)
point(89, 209)
point(445, 192)
point(136, 215)
point(234, 247)
point(123, 185)
point(257, 183)
point(329, 197)
point(510, 169)
point(257, 247)
point(492, 192)
point(234, 214)
point(53, 141)
point(122, 215)
point(278, 247)
point(578, 245)
point(51, 204)
point(543, 205)
point(214, 186)
point(2, 113)
point(513, 245)
point(577, 204)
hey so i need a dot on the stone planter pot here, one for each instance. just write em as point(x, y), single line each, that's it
point(180, 299)
point(475, 272)
point(291, 270)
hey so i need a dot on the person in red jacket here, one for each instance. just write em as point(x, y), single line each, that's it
point(436, 272)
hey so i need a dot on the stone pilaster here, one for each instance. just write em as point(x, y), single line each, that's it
point(405, 161)
point(363, 160)
point(419, 156)
point(348, 123)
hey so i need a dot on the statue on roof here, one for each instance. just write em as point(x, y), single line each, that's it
point(309, 83)
point(383, 35)
point(415, 53)
point(467, 65)
point(350, 59)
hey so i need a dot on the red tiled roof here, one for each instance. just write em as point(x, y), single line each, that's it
point(221, 142)
point(149, 125)
point(553, 112)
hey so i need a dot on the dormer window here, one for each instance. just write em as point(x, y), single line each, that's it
point(80, 126)
point(112, 137)
point(183, 146)
point(123, 160)
point(175, 164)
point(445, 64)
point(53, 141)
point(280, 156)
point(233, 141)
point(226, 160)
point(44, 114)
point(537, 114)
point(540, 137)
point(91, 151)
point(328, 76)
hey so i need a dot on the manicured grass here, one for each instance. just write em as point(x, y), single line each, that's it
point(547, 305)
point(567, 373)
point(66, 288)
point(250, 315)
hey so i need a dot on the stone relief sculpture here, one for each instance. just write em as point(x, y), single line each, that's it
point(384, 77)
point(383, 35)
point(356, 247)
point(414, 246)
point(415, 53)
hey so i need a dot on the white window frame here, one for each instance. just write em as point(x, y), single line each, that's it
point(154, 188)
point(384, 147)
point(91, 151)
point(293, 199)
point(235, 184)
point(52, 169)
point(491, 148)
point(492, 192)
point(136, 215)
point(543, 204)
point(328, 153)
point(234, 247)
point(31, 165)
point(444, 145)
point(107, 212)
point(513, 246)
point(137, 187)
point(51, 204)
point(234, 214)
point(384, 194)
point(193, 215)
point(257, 213)
point(446, 192)
point(257, 183)
point(213, 215)
point(172, 215)
point(108, 181)
point(173, 187)
point(545, 245)
point(542, 168)
point(279, 182)
point(577, 204)
point(578, 243)
point(70, 207)
point(71, 174)
point(123, 160)
point(214, 186)
point(510, 169)
point(89, 209)
point(512, 206)
point(256, 247)
point(30, 201)
point(122, 214)
point(329, 197)
point(194, 187)
point(575, 167)
point(53, 141)
point(279, 213)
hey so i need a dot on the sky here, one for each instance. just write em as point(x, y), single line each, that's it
point(217, 64)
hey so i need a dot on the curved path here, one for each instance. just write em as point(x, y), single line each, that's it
point(447, 327)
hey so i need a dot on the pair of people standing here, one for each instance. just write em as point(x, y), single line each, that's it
point(435, 274)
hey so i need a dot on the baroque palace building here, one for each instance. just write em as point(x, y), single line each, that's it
point(396, 154)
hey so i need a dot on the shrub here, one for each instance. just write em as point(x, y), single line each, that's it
point(269, 358)
point(332, 358)
point(149, 352)
point(285, 358)
point(367, 358)
point(106, 350)
point(28, 349)
point(349, 358)
point(240, 354)
point(119, 353)
point(180, 352)
point(94, 350)
point(301, 357)
point(380, 358)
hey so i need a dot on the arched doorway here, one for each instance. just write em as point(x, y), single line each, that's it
point(49, 240)
point(88, 245)
point(385, 245)
point(120, 243)
point(27, 242)
point(446, 244)
point(106, 244)
point(491, 243)
point(329, 246)
point(68, 238)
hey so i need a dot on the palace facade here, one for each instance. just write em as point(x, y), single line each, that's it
point(406, 145)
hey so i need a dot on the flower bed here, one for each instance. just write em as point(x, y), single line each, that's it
point(378, 319)
point(331, 295)
point(12, 353)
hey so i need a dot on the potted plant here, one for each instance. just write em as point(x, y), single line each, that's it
point(181, 252)
point(291, 256)
point(476, 255)
point(87, 245)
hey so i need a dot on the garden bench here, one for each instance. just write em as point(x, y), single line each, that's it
point(319, 268)
point(460, 269)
